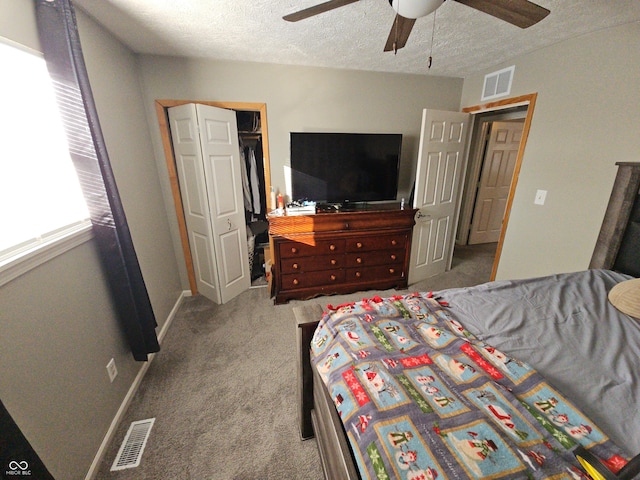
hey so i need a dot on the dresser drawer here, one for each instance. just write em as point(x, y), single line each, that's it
point(311, 264)
point(366, 259)
point(294, 281)
point(374, 274)
point(377, 242)
point(292, 249)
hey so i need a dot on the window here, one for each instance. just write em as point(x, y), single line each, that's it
point(41, 204)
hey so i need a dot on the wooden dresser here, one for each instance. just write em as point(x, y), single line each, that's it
point(340, 252)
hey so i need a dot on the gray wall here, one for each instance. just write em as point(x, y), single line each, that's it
point(301, 99)
point(57, 322)
point(587, 117)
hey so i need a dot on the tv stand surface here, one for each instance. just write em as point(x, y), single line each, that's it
point(341, 251)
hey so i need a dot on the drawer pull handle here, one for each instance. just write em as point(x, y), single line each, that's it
point(294, 250)
point(393, 257)
point(358, 260)
point(295, 266)
point(333, 261)
point(332, 277)
point(394, 242)
point(358, 274)
point(359, 244)
point(295, 281)
point(332, 247)
point(392, 271)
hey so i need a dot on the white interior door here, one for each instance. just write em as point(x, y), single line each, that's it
point(439, 177)
point(495, 181)
point(205, 142)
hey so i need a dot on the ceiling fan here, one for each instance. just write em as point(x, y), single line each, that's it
point(521, 13)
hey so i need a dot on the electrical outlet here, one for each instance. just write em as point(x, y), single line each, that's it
point(112, 370)
point(541, 196)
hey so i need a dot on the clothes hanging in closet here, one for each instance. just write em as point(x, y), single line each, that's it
point(246, 189)
point(254, 192)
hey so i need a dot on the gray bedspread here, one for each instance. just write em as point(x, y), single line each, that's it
point(564, 326)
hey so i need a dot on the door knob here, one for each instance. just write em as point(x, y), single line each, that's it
point(229, 222)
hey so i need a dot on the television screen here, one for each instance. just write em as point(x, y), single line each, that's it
point(345, 167)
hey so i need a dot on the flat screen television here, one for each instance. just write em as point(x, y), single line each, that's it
point(345, 167)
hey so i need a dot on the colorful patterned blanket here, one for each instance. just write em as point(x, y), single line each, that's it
point(421, 398)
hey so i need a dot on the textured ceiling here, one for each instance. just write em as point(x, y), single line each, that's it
point(465, 41)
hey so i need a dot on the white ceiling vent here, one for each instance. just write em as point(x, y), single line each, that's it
point(133, 445)
point(498, 84)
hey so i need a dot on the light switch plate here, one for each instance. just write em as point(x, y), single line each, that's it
point(541, 196)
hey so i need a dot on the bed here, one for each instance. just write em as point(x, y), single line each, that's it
point(500, 380)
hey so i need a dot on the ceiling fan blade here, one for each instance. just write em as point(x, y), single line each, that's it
point(317, 9)
point(520, 13)
point(399, 33)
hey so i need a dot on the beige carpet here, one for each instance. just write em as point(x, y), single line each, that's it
point(223, 393)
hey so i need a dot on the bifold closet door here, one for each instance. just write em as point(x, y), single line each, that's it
point(206, 151)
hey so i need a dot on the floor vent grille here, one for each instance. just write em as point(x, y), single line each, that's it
point(133, 445)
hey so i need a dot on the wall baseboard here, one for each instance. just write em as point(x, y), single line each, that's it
point(93, 470)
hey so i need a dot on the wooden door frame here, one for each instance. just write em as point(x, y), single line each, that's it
point(163, 121)
point(530, 101)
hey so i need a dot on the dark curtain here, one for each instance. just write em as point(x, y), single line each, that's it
point(62, 52)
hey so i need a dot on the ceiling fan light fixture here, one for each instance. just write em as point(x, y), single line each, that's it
point(415, 8)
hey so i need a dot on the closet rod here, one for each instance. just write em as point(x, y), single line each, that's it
point(251, 136)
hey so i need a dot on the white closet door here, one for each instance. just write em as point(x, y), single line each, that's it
point(439, 175)
point(205, 142)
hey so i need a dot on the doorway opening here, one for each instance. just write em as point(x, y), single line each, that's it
point(255, 121)
point(493, 151)
point(517, 108)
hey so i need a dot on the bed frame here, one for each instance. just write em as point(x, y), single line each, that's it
point(316, 411)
